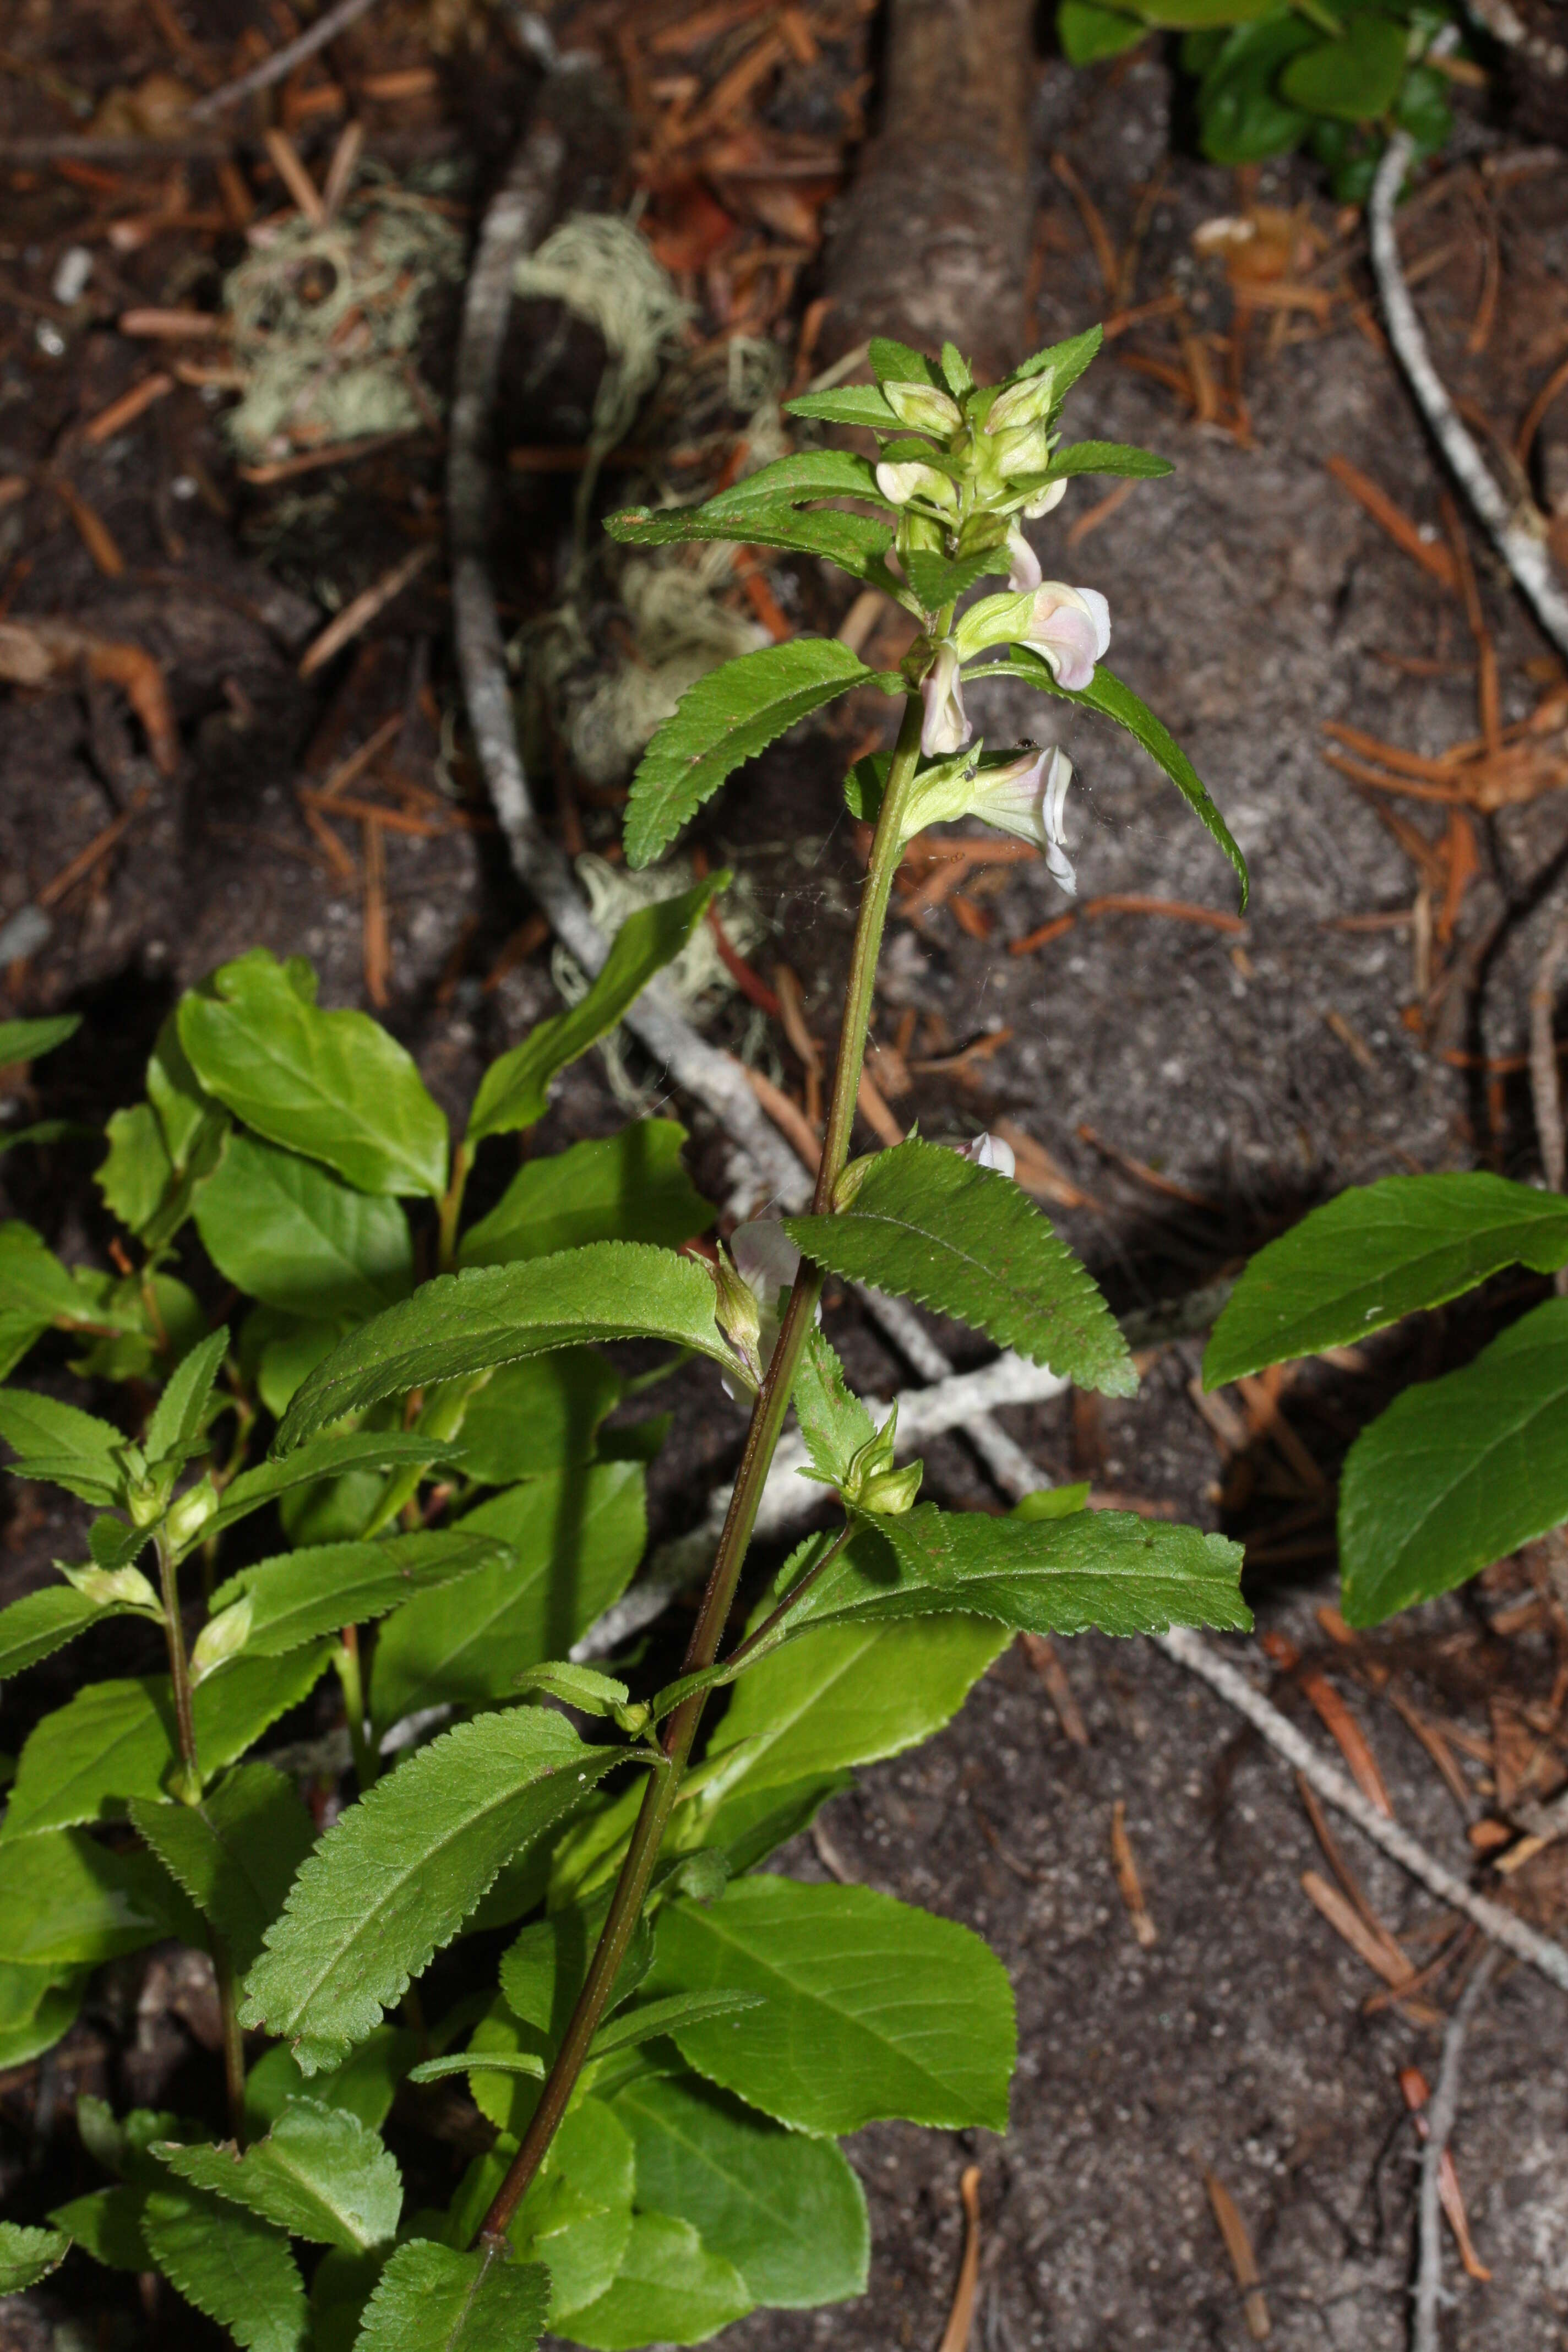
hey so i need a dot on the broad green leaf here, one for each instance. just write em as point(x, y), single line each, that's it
point(543, 1971)
point(871, 2008)
point(27, 1041)
point(364, 2086)
point(334, 1085)
point(1241, 116)
point(669, 2289)
point(235, 1853)
point(629, 1187)
point(577, 2217)
point(232, 2266)
point(1201, 15)
point(37, 1290)
point(396, 1875)
point(515, 1091)
point(41, 1622)
point(849, 403)
point(330, 1457)
point(1378, 1251)
point(1088, 31)
point(926, 1224)
point(182, 1104)
point(319, 2175)
point(852, 541)
point(1107, 457)
point(284, 1231)
point(540, 1415)
point(52, 2019)
point(302, 1596)
point(23, 1990)
point(80, 1449)
point(432, 2299)
point(276, 1352)
point(574, 1540)
point(787, 2210)
point(1354, 78)
point(1107, 695)
point(1458, 1472)
point(833, 1421)
point(137, 1171)
point(27, 2256)
point(464, 1323)
point(116, 1740)
point(141, 1326)
point(1065, 361)
point(726, 719)
point(107, 2224)
point(1108, 1569)
point(67, 1901)
point(180, 1412)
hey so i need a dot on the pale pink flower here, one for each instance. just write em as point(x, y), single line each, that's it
point(945, 728)
point(1024, 574)
point(990, 1152)
point(1029, 798)
point(1071, 627)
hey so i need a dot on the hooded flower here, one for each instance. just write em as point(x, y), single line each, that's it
point(1024, 574)
point(1028, 797)
point(945, 729)
point(990, 1152)
point(1071, 627)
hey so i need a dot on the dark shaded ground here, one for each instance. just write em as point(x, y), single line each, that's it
point(1251, 601)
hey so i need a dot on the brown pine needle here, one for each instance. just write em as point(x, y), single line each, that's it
point(1094, 226)
point(1042, 1655)
point(1101, 512)
point(127, 408)
point(873, 1109)
point(1243, 2261)
point(961, 2318)
point(1413, 2085)
point(363, 610)
point(1433, 557)
point(377, 949)
point(1374, 1946)
point(1178, 910)
point(1129, 1884)
point(789, 1118)
point(1143, 1172)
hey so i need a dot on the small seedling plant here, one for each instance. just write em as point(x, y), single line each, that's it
point(1456, 1472)
point(677, 2038)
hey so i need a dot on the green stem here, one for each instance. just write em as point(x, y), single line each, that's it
point(761, 1439)
point(179, 1669)
point(451, 1210)
point(346, 1658)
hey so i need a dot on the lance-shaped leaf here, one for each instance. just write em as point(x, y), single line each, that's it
point(848, 404)
point(630, 1187)
point(1378, 1251)
point(432, 2299)
point(67, 1901)
point(334, 1085)
point(1107, 457)
point(319, 2174)
point(1065, 361)
point(669, 2289)
point(833, 1421)
point(44, 1622)
point(789, 481)
point(1107, 695)
point(116, 1740)
point(79, 1450)
point(466, 1323)
point(27, 2256)
point(180, 1411)
point(1108, 1569)
point(396, 1875)
point(301, 1596)
point(787, 2210)
point(235, 1853)
point(871, 2008)
point(331, 1456)
point(652, 2019)
point(1458, 1472)
point(726, 719)
point(515, 1091)
point(926, 1224)
point(231, 2265)
point(27, 1040)
point(288, 1233)
point(854, 542)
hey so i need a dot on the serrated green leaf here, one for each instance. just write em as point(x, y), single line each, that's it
point(23, 1990)
point(770, 493)
point(29, 1041)
point(396, 1875)
point(302, 1596)
point(871, 2008)
point(107, 2224)
point(726, 719)
point(230, 2265)
point(284, 1231)
point(576, 2216)
point(669, 2289)
point(630, 1187)
point(938, 579)
point(81, 1450)
point(37, 1290)
point(650, 2021)
point(333, 1455)
point(1107, 457)
point(235, 1853)
point(538, 1417)
point(116, 1740)
point(926, 1224)
point(179, 1414)
point(574, 1538)
point(584, 1687)
point(364, 2086)
point(833, 1421)
point(432, 2299)
point(1088, 33)
point(44, 1622)
point(1065, 361)
point(515, 1091)
point(850, 403)
point(1108, 1569)
point(318, 2175)
point(464, 1323)
point(1458, 1472)
point(526, 2062)
point(896, 363)
point(1115, 700)
point(26, 2256)
point(137, 1171)
point(67, 1901)
point(334, 1085)
point(852, 541)
point(787, 2210)
point(1378, 1251)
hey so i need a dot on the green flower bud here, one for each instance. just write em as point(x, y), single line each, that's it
point(221, 1638)
point(739, 1316)
point(854, 1176)
point(1023, 403)
point(145, 1501)
point(190, 1515)
point(872, 1483)
point(108, 1586)
point(924, 408)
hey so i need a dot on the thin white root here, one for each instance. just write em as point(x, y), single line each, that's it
point(1515, 531)
point(1440, 2117)
point(1509, 30)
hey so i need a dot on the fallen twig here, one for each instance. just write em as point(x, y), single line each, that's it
point(361, 612)
point(1514, 533)
point(1440, 2126)
point(1243, 2261)
point(961, 2318)
point(282, 62)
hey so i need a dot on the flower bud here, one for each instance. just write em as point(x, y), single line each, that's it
point(1044, 500)
point(872, 1483)
point(993, 621)
point(190, 1515)
point(900, 483)
point(990, 1152)
point(221, 1638)
point(1023, 403)
point(1071, 627)
point(945, 727)
point(924, 408)
point(144, 1500)
point(1016, 456)
point(738, 1315)
point(856, 1174)
point(109, 1587)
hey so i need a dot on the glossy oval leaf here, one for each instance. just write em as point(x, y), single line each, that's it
point(67, 1901)
point(432, 2299)
point(630, 1187)
point(969, 1241)
point(669, 2289)
point(283, 1230)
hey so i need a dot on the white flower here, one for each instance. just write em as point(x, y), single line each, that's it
point(1028, 797)
point(945, 728)
point(900, 483)
point(1051, 496)
point(1024, 574)
point(990, 1152)
point(1071, 627)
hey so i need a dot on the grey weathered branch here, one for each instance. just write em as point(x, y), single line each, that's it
point(282, 61)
